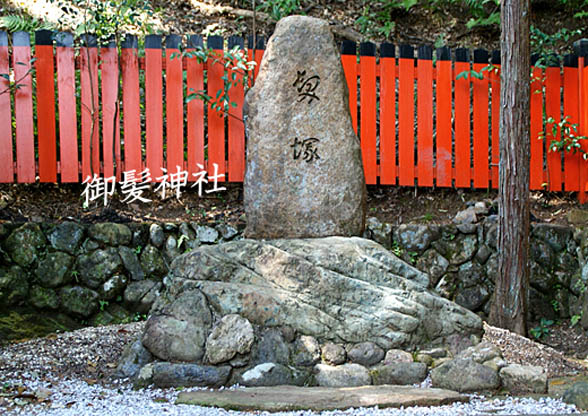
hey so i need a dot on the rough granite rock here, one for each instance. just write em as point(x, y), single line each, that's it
point(333, 354)
point(464, 375)
point(233, 335)
point(304, 175)
point(188, 375)
point(271, 348)
point(306, 351)
point(67, 236)
point(399, 373)
point(53, 270)
point(134, 357)
point(336, 289)
point(272, 374)
point(346, 375)
point(365, 353)
point(518, 378)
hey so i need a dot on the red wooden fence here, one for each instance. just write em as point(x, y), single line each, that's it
point(418, 122)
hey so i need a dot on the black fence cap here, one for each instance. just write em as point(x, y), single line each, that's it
point(195, 41)
point(21, 39)
point(214, 42)
point(443, 54)
point(481, 56)
point(462, 55)
point(236, 41)
point(88, 40)
point(109, 43)
point(44, 37)
point(425, 52)
point(64, 39)
point(581, 47)
point(3, 39)
point(496, 57)
point(534, 58)
point(367, 49)
point(259, 40)
point(153, 42)
point(406, 51)
point(130, 42)
point(571, 60)
point(173, 41)
point(387, 50)
point(348, 48)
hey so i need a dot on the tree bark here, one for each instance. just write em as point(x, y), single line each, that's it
point(509, 309)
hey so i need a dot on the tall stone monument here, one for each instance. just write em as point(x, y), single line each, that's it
point(304, 174)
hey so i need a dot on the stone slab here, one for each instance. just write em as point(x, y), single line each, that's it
point(288, 398)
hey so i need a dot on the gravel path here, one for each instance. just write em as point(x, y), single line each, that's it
point(70, 374)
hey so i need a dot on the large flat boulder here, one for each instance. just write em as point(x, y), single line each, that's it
point(335, 289)
point(288, 398)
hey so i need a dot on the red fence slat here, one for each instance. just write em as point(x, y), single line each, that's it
point(46, 106)
point(444, 113)
point(406, 116)
point(23, 108)
point(175, 104)
point(349, 62)
point(367, 62)
point(66, 90)
point(235, 124)
point(195, 109)
point(571, 100)
point(462, 121)
point(481, 120)
point(583, 111)
point(110, 114)
point(425, 116)
point(553, 109)
point(537, 145)
point(131, 105)
point(387, 114)
point(216, 119)
point(154, 106)
point(90, 109)
point(6, 156)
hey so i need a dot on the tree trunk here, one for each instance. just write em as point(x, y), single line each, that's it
point(509, 309)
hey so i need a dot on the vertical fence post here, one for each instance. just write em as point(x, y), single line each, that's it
point(195, 84)
point(154, 105)
point(110, 113)
point(425, 116)
point(349, 62)
point(174, 113)
point(235, 125)
point(216, 118)
point(406, 116)
point(462, 120)
point(481, 120)
point(367, 129)
point(444, 116)
point(23, 107)
point(90, 107)
point(45, 106)
point(553, 110)
point(131, 104)
point(536, 177)
point(6, 155)
point(68, 125)
point(387, 113)
point(571, 105)
point(581, 48)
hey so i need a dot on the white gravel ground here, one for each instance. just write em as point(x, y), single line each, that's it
point(78, 398)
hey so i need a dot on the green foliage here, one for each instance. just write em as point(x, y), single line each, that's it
point(396, 249)
point(279, 8)
point(16, 23)
point(542, 330)
point(103, 304)
point(569, 140)
point(546, 45)
point(484, 13)
point(575, 319)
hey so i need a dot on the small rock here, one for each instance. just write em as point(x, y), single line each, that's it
point(464, 375)
point(467, 216)
point(111, 234)
point(95, 268)
point(397, 356)
point(435, 352)
point(524, 379)
point(54, 270)
point(481, 208)
point(43, 298)
point(365, 353)
point(66, 236)
point(140, 295)
point(189, 375)
point(206, 234)
point(400, 373)
point(226, 231)
point(380, 233)
point(307, 351)
point(25, 244)
point(152, 262)
point(134, 357)
point(346, 375)
point(113, 286)
point(156, 235)
point(270, 374)
point(496, 363)
point(484, 351)
point(131, 262)
point(425, 359)
point(577, 394)
point(79, 300)
point(333, 354)
point(271, 348)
